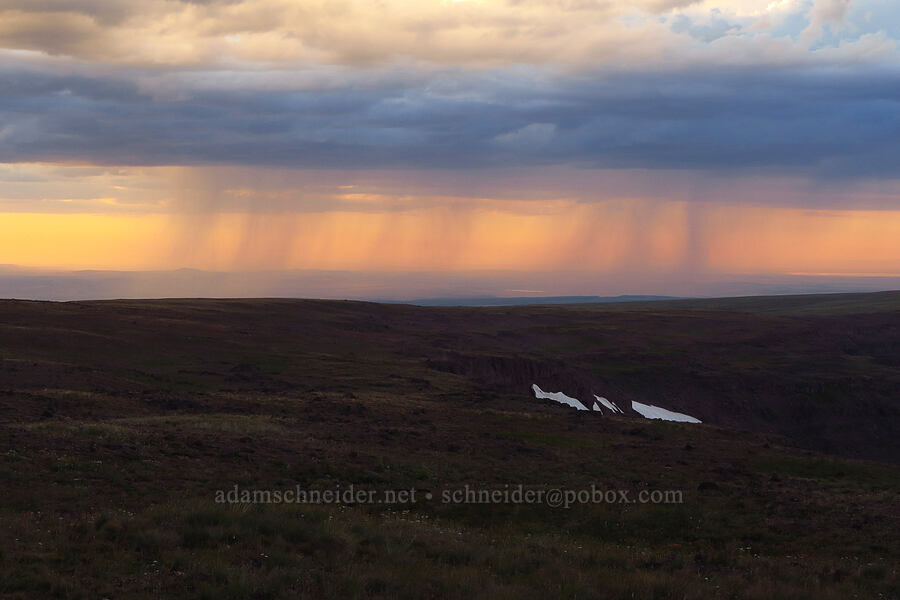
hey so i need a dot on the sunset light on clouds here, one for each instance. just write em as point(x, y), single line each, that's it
point(629, 145)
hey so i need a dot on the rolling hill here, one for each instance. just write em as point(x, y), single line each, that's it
point(121, 421)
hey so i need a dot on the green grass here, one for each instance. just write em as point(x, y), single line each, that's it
point(193, 549)
point(832, 470)
point(551, 440)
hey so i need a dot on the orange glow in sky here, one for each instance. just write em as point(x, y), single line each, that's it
point(609, 236)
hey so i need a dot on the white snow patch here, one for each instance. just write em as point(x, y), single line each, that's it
point(648, 411)
point(597, 408)
point(610, 405)
point(558, 397)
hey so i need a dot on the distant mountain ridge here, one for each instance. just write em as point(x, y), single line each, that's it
point(529, 300)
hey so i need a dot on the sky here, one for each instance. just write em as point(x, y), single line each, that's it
point(463, 147)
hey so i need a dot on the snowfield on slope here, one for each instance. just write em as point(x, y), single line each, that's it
point(558, 397)
point(610, 405)
point(649, 411)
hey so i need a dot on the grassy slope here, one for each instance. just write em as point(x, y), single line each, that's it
point(119, 420)
point(795, 305)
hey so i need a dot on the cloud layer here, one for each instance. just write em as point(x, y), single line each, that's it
point(777, 87)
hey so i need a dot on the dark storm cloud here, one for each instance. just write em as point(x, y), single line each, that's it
point(829, 122)
point(107, 12)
